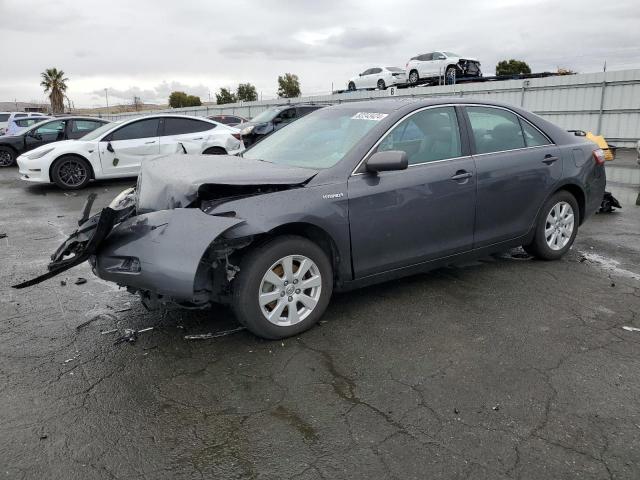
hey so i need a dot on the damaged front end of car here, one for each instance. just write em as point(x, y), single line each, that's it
point(164, 239)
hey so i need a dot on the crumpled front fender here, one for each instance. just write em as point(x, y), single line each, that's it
point(168, 244)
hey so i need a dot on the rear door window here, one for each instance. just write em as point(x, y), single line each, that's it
point(141, 129)
point(426, 57)
point(181, 126)
point(4, 117)
point(495, 129)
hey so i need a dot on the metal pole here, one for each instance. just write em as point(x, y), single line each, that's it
point(604, 87)
point(106, 95)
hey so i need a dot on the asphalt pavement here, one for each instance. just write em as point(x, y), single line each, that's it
point(504, 368)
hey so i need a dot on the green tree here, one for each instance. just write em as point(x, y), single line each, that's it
point(247, 92)
point(512, 67)
point(55, 84)
point(288, 86)
point(181, 100)
point(225, 96)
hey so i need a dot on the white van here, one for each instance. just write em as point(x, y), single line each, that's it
point(6, 117)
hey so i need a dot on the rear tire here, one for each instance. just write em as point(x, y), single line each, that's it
point(71, 172)
point(351, 87)
point(381, 85)
point(556, 227)
point(215, 151)
point(414, 78)
point(450, 76)
point(266, 287)
point(7, 157)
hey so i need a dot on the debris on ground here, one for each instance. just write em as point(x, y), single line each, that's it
point(496, 408)
point(207, 336)
point(131, 335)
point(631, 329)
point(107, 332)
point(107, 316)
point(63, 283)
point(44, 436)
point(72, 358)
point(613, 284)
point(3, 235)
point(80, 281)
point(456, 411)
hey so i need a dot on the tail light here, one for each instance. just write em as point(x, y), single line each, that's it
point(237, 136)
point(598, 156)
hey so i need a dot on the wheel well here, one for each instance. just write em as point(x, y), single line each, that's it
point(456, 66)
point(578, 194)
point(217, 149)
point(315, 234)
point(71, 155)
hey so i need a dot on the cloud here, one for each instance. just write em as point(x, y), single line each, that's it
point(158, 94)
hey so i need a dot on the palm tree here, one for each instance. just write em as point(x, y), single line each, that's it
point(55, 84)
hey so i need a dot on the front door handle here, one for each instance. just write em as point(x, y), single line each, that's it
point(199, 138)
point(462, 175)
point(549, 159)
point(149, 143)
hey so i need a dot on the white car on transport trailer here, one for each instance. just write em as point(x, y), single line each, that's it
point(377, 77)
point(118, 149)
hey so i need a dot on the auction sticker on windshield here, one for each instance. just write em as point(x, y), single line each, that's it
point(369, 116)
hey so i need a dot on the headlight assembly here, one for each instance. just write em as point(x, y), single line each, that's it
point(39, 154)
point(125, 199)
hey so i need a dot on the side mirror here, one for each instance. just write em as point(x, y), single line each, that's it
point(110, 147)
point(276, 120)
point(387, 161)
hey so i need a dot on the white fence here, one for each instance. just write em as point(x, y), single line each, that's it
point(605, 102)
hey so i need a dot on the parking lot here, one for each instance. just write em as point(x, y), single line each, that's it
point(502, 368)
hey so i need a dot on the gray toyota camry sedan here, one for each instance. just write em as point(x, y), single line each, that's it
point(347, 196)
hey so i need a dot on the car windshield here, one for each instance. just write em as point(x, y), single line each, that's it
point(267, 115)
point(318, 140)
point(395, 69)
point(451, 54)
point(100, 130)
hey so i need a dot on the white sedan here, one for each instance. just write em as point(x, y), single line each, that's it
point(117, 149)
point(378, 77)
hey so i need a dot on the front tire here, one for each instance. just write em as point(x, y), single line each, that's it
point(283, 287)
point(351, 87)
point(414, 77)
point(7, 157)
point(556, 228)
point(71, 172)
point(381, 85)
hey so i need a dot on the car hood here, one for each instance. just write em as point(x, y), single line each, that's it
point(176, 181)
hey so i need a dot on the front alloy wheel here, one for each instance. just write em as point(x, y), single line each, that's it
point(283, 287)
point(413, 77)
point(290, 290)
point(71, 173)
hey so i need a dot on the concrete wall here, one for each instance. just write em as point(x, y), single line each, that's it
point(605, 102)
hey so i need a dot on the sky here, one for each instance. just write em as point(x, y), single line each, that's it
point(149, 48)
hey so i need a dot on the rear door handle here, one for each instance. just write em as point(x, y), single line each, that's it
point(462, 175)
point(549, 159)
point(199, 138)
point(149, 143)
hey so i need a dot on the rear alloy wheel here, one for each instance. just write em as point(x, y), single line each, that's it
point(283, 287)
point(215, 151)
point(7, 157)
point(414, 77)
point(556, 228)
point(351, 87)
point(71, 173)
point(381, 85)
